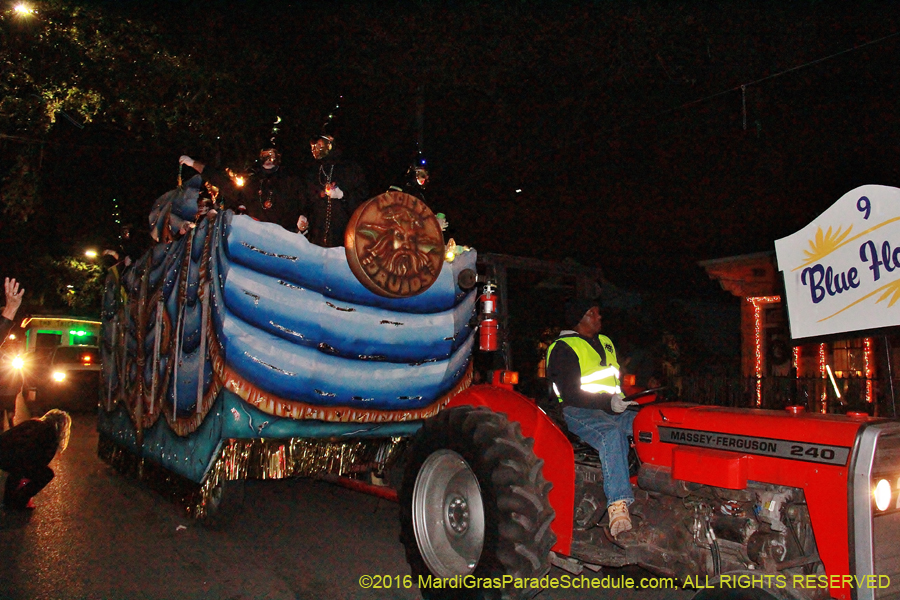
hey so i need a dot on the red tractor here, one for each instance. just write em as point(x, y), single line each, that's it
point(738, 503)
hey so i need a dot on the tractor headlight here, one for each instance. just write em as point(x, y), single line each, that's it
point(882, 494)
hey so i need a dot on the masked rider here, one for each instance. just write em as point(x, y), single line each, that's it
point(334, 188)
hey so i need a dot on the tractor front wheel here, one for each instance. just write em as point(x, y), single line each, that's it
point(474, 507)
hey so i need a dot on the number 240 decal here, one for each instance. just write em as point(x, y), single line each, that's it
point(812, 452)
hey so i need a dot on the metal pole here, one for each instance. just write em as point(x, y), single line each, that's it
point(887, 349)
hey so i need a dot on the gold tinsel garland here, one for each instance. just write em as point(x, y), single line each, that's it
point(255, 459)
point(293, 457)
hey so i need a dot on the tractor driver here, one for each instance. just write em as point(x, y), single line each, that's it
point(584, 371)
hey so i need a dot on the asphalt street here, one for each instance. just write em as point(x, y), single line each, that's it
point(95, 534)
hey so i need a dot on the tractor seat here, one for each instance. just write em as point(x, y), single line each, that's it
point(584, 453)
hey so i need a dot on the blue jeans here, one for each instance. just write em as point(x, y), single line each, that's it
point(608, 434)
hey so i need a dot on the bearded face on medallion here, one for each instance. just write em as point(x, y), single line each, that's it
point(395, 245)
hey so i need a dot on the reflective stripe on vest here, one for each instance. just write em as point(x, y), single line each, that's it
point(597, 374)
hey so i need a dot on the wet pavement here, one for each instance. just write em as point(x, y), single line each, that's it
point(95, 534)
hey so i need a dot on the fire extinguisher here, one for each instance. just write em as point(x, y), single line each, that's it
point(487, 334)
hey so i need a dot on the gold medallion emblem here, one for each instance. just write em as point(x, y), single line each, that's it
point(395, 245)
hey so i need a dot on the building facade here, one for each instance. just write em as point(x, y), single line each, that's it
point(835, 375)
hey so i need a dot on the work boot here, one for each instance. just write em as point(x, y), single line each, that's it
point(619, 519)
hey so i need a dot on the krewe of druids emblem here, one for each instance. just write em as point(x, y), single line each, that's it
point(395, 245)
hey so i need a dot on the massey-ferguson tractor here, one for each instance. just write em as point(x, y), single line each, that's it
point(788, 503)
point(739, 503)
point(239, 350)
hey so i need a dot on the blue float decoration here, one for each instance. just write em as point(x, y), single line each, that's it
point(226, 318)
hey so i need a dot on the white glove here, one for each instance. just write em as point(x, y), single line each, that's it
point(186, 160)
point(619, 405)
point(334, 192)
point(302, 224)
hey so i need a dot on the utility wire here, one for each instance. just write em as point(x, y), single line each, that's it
point(774, 75)
point(742, 87)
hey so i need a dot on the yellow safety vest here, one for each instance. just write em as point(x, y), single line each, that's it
point(599, 374)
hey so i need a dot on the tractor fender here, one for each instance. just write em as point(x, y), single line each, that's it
point(550, 445)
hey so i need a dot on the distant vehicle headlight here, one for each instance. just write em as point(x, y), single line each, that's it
point(59, 376)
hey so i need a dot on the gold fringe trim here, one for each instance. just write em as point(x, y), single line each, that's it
point(293, 457)
point(255, 459)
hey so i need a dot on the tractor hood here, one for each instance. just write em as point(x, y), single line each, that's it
point(726, 447)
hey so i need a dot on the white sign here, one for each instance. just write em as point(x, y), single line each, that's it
point(842, 271)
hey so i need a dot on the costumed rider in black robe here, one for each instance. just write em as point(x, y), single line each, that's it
point(223, 185)
point(335, 187)
point(269, 194)
point(415, 179)
point(413, 182)
point(272, 195)
point(127, 250)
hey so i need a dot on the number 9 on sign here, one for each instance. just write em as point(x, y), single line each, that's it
point(863, 205)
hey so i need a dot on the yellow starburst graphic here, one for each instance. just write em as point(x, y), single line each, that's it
point(892, 290)
point(824, 244)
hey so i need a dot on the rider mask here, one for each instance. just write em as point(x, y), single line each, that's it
point(321, 146)
point(269, 158)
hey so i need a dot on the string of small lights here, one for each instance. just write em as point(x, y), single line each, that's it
point(823, 354)
point(868, 356)
point(758, 302)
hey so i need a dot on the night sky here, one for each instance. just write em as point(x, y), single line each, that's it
point(623, 124)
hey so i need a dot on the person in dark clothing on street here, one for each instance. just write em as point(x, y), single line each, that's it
point(335, 187)
point(11, 384)
point(25, 453)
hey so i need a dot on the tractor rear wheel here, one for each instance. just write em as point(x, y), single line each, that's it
point(474, 505)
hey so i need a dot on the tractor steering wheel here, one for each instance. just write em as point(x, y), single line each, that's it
point(648, 392)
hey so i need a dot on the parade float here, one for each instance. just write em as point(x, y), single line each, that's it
point(236, 349)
